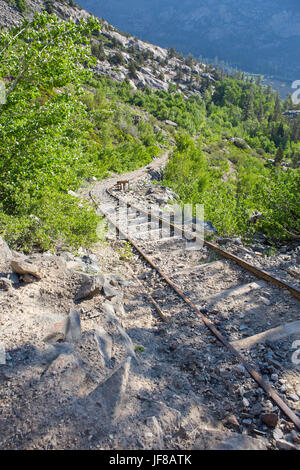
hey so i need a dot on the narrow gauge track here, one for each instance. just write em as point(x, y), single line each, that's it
point(136, 212)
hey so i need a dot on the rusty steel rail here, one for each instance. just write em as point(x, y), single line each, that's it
point(260, 273)
point(253, 372)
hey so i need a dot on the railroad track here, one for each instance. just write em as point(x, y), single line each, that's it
point(212, 283)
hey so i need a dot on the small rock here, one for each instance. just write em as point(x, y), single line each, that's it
point(270, 419)
point(104, 343)
point(247, 422)
point(211, 439)
point(73, 327)
point(285, 445)
point(273, 362)
point(256, 409)
point(27, 278)
point(265, 300)
point(277, 434)
point(5, 253)
point(240, 369)
point(72, 193)
point(21, 266)
point(246, 402)
point(293, 397)
point(240, 143)
point(243, 327)
point(296, 438)
point(2, 354)
point(5, 284)
point(109, 290)
point(108, 308)
point(91, 286)
point(224, 241)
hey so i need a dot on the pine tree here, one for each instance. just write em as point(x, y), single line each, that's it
point(296, 158)
point(189, 61)
point(296, 130)
point(172, 53)
point(288, 104)
point(279, 156)
point(98, 50)
point(117, 59)
point(179, 74)
point(249, 105)
point(260, 112)
point(277, 115)
point(259, 81)
point(132, 69)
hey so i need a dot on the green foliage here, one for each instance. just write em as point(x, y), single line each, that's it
point(57, 128)
point(21, 5)
point(126, 252)
point(60, 125)
point(98, 50)
point(229, 202)
point(43, 133)
point(253, 112)
point(49, 6)
point(57, 219)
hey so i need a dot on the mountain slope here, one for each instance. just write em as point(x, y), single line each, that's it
point(261, 37)
point(122, 56)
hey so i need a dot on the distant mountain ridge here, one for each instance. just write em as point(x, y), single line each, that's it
point(257, 36)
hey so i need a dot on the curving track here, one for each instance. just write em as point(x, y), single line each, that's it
point(209, 281)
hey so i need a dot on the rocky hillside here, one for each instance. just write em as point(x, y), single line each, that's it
point(261, 37)
point(13, 11)
point(122, 56)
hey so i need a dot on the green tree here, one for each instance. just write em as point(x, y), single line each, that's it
point(172, 53)
point(279, 156)
point(132, 69)
point(117, 59)
point(277, 108)
point(42, 126)
point(98, 50)
point(296, 129)
point(249, 104)
point(179, 74)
